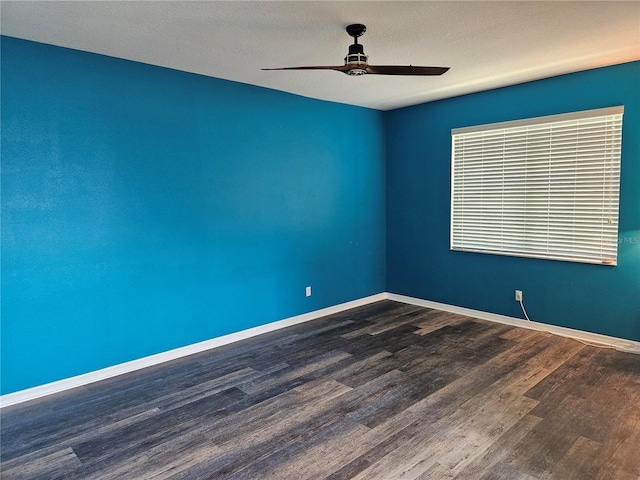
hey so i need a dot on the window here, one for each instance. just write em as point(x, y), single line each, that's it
point(544, 187)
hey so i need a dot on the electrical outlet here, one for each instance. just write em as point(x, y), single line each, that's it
point(308, 291)
point(518, 295)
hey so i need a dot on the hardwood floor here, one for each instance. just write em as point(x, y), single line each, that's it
point(386, 391)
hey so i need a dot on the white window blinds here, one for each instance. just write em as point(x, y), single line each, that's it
point(545, 187)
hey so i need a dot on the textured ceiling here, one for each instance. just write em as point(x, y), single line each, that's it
point(486, 44)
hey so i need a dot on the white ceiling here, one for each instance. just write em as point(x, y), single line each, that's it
point(487, 44)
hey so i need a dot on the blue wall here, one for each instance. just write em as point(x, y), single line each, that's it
point(144, 209)
point(593, 298)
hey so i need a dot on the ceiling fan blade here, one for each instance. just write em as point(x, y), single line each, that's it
point(340, 68)
point(404, 70)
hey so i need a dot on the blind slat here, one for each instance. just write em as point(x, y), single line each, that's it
point(545, 188)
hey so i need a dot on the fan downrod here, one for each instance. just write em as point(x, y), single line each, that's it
point(356, 30)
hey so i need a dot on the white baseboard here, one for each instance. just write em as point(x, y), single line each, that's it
point(620, 344)
point(115, 370)
point(104, 373)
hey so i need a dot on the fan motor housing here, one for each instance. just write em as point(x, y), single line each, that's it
point(356, 57)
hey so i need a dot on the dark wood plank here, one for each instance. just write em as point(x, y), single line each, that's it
point(384, 391)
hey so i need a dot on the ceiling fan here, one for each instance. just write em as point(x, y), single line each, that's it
point(355, 63)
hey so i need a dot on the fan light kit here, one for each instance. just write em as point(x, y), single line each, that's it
point(356, 62)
